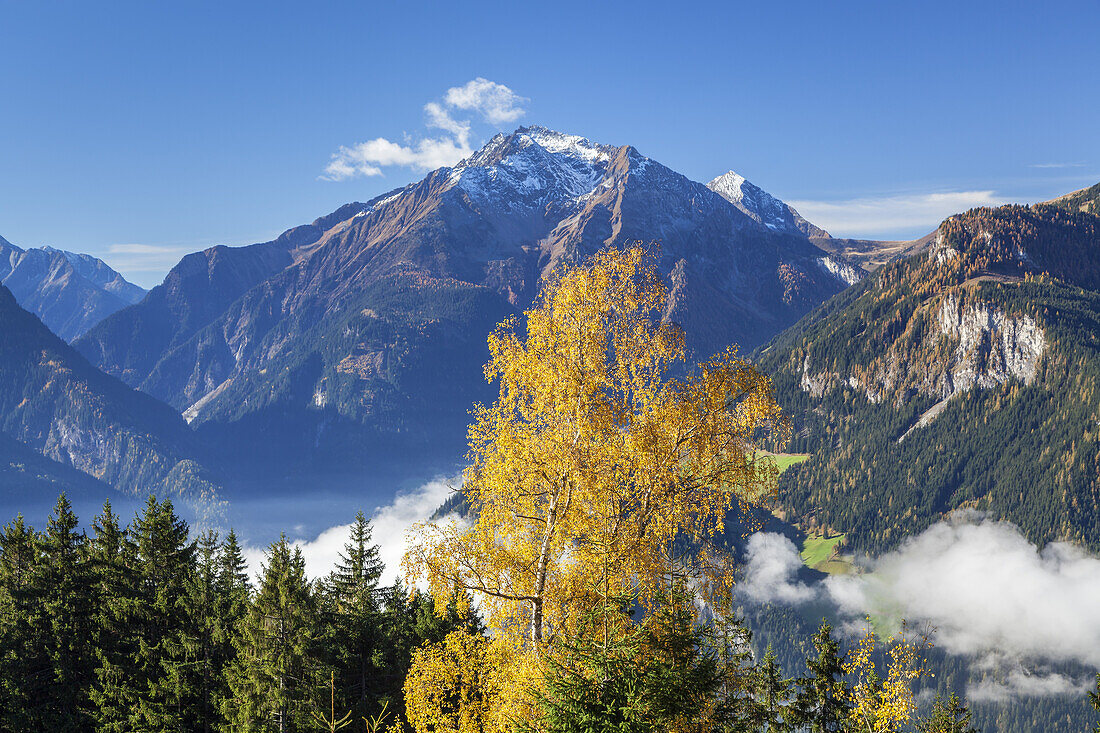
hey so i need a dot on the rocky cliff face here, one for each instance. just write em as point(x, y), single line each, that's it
point(964, 376)
point(970, 345)
point(991, 349)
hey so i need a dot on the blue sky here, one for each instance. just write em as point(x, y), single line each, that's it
point(141, 131)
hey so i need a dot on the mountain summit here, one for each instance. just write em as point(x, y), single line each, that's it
point(762, 207)
point(368, 325)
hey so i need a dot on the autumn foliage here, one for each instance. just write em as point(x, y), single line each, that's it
point(598, 473)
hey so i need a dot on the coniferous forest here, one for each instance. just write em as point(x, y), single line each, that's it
point(141, 626)
point(146, 627)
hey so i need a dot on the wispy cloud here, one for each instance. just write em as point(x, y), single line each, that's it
point(886, 216)
point(143, 258)
point(1057, 165)
point(493, 103)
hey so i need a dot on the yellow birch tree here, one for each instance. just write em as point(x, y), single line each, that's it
point(884, 704)
point(596, 472)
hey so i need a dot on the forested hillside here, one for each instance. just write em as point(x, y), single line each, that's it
point(966, 377)
point(1087, 200)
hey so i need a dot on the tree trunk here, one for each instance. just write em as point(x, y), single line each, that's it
point(540, 573)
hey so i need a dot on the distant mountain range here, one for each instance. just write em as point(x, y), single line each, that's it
point(70, 292)
point(363, 334)
point(57, 404)
point(355, 344)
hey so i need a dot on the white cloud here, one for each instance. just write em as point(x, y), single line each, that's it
point(987, 591)
point(772, 560)
point(1057, 165)
point(440, 118)
point(986, 588)
point(368, 159)
point(493, 102)
point(390, 524)
point(1021, 683)
point(886, 216)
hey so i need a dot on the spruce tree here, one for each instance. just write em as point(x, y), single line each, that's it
point(232, 597)
point(62, 624)
point(821, 705)
point(950, 716)
point(200, 675)
point(23, 665)
point(149, 688)
point(114, 588)
point(770, 697)
point(616, 675)
point(353, 619)
point(275, 677)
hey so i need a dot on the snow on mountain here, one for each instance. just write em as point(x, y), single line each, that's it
point(761, 206)
point(537, 164)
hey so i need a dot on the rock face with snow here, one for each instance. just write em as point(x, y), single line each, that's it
point(762, 207)
point(70, 292)
point(371, 323)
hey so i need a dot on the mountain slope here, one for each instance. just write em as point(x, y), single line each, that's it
point(965, 377)
point(28, 477)
point(194, 293)
point(59, 405)
point(70, 292)
point(375, 327)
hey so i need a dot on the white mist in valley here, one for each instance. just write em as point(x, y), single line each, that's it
point(390, 527)
point(988, 592)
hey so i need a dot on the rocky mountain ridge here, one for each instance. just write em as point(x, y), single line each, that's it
point(358, 324)
point(63, 408)
point(70, 292)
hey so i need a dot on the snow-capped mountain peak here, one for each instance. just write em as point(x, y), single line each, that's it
point(571, 145)
point(532, 166)
point(754, 201)
point(729, 186)
point(761, 206)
